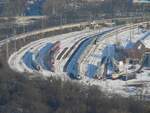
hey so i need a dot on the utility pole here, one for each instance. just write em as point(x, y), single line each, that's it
point(23, 25)
point(130, 31)
point(15, 44)
point(116, 36)
point(7, 48)
point(112, 8)
point(42, 27)
point(132, 21)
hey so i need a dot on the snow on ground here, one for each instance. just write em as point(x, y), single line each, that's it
point(28, 20)
point(92, 60)
point(21, 60)
point(68, 39)
point(72, 67)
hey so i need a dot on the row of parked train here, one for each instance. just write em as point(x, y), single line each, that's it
point(48, 59)
point(52, 55)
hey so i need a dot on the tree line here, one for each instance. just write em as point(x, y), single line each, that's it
point(73, 8)
point(19, 94)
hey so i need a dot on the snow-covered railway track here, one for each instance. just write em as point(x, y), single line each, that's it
point(67, 40)
point(103, 41)
point(89, 55)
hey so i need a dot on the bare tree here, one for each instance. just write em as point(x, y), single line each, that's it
point(14, 8)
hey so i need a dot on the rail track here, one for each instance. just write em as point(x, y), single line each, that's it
point(71, 44)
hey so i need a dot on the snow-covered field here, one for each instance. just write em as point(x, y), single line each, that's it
point(82, 59)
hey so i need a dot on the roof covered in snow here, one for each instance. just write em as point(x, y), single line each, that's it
point(146, 42)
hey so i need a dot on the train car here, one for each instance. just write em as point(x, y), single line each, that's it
point(56, 46)
point(34, 62)
point(52, 55)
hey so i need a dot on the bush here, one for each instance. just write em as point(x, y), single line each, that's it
point(22, 95)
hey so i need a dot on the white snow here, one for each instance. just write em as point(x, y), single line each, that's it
point(88, 59)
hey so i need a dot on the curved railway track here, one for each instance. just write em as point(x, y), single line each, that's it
point(70, 44)
point(35, 46)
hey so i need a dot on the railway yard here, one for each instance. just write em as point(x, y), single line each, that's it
point(117, 59)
